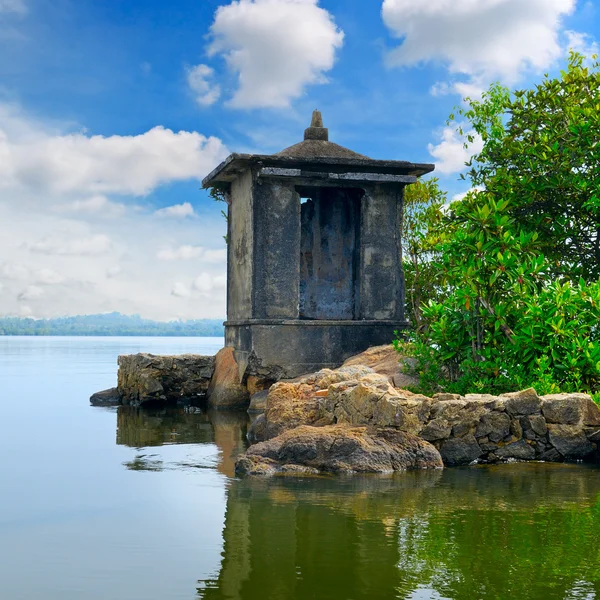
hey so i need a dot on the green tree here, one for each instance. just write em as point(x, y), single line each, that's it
point(541, 155)
point(518, 256)
point(423, 211)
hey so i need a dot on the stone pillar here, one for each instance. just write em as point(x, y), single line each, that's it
point(276, 250)
point(381, 278)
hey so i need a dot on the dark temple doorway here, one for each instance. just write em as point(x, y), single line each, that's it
point(329, 252)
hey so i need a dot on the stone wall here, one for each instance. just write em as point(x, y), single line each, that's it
point(476, 427)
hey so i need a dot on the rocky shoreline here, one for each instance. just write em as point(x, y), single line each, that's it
point(358, 418)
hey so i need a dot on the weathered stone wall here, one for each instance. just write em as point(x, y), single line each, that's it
point(146, 378)
point(476, 427)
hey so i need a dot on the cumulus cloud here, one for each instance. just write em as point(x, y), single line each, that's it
point(58, 164)
point(31, 292)
point(13, 271)
point(192, 252)
point(180, 290)
point(95, 244)
point(483, 39)
point(582, 43)
point(200, 80)
point(48, 277)
point(276, 48)
point(95, 205)
point(177, 211)
point(206, 283)
point(451, 153)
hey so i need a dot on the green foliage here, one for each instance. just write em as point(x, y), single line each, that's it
point(518, 259)
point(423, 212)
point(541, 155)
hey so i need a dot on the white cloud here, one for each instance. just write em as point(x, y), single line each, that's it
point(54, 234)
point(199, 79)
point(276, 47)
point(180, 290)
point(31, 292)
point(451, 154)
point(463, 195)
point(483, 39)
point(48, 277)
point(13, 6)
point(206, 283)
point(113, 271)
point(95, 205)
point(39, 160)
point(177, 211)
point(582, 43)
point(13, 271)
point(95, 244)
point(192, 252)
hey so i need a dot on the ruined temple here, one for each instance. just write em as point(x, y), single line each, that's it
point(314, 264)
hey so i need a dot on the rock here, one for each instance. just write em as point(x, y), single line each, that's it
point(109, 397)
point(146, 378)
point(564, 408)
point(436, 429)
point(339, 449)
point(226, 390)
point(385, 361)
point(495, 425)
point(591, 413)
point(525, 402)
point(538, 424)
point(460, 451)
point(258, 402)
point(443, 397)
point(288, 405)
point(520, 450)
point(569, 440)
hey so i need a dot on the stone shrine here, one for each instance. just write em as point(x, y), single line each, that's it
point(314, 268)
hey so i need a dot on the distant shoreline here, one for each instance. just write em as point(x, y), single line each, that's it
point(157, 335)
point(110, 325)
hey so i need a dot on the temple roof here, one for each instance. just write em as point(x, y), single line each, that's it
point(315, 153)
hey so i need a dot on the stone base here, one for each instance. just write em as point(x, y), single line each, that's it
point(295, 347)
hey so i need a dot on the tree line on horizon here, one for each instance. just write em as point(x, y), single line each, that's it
point(110, 324)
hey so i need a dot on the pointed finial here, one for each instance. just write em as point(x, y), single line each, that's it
point(317, 119)
point(316, 131)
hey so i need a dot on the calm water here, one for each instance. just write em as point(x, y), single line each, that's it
point(127, 505)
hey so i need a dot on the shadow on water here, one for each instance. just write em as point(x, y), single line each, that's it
point(143, 429)
point(521, 530)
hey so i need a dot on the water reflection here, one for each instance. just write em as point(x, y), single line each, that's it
point(523, 530)
point(144, 429)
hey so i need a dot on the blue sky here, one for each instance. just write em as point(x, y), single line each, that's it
point(112, 111)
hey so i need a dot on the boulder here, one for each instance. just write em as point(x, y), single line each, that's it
point(109, 397)
point(460, 451)
point(519, 450)
point(385, 360)
point(150, 379)
point(339, 449)
point(288, 405)
point(258, 402)
point(226, 390)
point(525, 402)
point(569, 440)
point(564, 408)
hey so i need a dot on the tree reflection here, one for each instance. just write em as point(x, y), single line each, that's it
point(524, 530)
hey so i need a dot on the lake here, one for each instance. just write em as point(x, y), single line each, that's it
point(124, 504)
